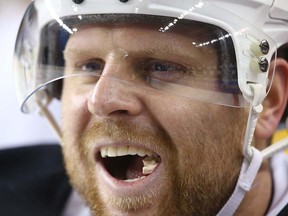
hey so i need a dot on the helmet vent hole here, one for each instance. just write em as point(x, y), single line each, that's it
point(123, 1)
point(78, 1)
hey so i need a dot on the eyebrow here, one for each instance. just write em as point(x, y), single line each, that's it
point(153, 52)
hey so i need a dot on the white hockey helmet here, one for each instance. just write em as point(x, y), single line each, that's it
point(244, 34)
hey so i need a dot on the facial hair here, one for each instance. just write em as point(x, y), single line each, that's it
point(196, 186)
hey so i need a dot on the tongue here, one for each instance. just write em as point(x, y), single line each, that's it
point(134, 170)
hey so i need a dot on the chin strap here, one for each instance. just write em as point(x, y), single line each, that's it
point(274, 148)
point(247, 176)
point(256, 109)
point(259, 94)
point(252, 157)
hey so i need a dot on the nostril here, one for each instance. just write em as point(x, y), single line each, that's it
point(78, 1)
point(121, 112)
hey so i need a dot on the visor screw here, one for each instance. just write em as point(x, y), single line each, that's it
point(264, 46)
point(78, 1)
point(123, 1)
point(263, 64)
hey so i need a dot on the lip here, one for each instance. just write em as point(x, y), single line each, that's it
point(120, 188)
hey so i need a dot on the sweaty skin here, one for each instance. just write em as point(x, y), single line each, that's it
point(199, 144)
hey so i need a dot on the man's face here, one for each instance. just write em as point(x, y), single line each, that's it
point(133, 150)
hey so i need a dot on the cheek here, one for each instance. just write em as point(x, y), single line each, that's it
point(181, 119)
point(200, 130)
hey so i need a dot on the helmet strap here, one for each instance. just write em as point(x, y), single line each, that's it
point(245, 181)
point(44, 111)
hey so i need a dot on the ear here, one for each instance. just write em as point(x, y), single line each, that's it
point(275, 102)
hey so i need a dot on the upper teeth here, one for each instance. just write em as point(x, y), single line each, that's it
point(113, 151)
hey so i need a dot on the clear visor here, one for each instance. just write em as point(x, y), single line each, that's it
point(192, 59)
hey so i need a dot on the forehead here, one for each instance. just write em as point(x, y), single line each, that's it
point(146, 38)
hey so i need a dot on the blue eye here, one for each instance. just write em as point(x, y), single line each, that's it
point(92, 66)
point(164, 70)
point(162, 67)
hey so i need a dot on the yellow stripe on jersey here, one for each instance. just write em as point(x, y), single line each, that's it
point(279, 135)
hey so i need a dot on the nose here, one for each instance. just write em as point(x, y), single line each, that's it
point(112, 96)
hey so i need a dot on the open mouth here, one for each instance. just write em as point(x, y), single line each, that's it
point(129, 163)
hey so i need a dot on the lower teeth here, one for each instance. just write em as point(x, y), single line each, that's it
point(149, 165)
point(134, 180)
